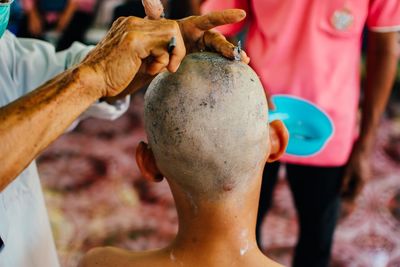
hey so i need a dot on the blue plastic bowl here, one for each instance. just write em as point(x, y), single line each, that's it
point(309, 127)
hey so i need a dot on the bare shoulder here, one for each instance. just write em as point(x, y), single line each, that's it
point(103, 257)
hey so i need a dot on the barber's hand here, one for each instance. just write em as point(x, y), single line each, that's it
point(115, 61)
point(197, 34)
point(357, 173)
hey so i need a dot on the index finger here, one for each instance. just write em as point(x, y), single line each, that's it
point(218, 18)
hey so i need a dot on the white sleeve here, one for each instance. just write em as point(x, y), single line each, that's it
point(36, 62)
point(103, 110)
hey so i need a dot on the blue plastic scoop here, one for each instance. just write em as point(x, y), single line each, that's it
point(309, 127)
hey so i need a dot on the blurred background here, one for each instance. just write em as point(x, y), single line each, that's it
point(96, 196)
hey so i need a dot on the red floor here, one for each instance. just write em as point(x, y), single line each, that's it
point(96, 197)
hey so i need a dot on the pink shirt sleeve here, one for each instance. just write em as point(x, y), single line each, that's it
point(218, 5)
point(384, 15)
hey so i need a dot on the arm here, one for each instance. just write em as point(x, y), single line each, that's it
point(382, 57)
point(35, 24)
point(33, 62)
point(31, 123)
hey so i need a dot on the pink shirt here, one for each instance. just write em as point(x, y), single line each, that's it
point(86, 5)
point(311, 49)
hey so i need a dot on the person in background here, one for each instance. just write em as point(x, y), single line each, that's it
point(44, 15)
point(312, 49)
point(81, 20)
point(70, 19)
point(129, 8)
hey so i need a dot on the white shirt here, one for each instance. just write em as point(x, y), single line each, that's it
point(25, 64)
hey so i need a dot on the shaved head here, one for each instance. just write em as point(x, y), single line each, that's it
point(207, 125)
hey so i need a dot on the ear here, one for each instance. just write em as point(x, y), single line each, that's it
point(279, 137)
point(147, 164)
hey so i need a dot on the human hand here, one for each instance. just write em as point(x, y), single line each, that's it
point(115, 61)
point(271, 105)
point(357, 173)
point(35, 26)
point(198, 36)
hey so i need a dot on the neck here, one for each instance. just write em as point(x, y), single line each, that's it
point(222, 225)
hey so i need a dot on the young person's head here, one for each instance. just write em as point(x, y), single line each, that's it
point(207, 128)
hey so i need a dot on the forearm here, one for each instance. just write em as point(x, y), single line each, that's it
point(29, 124)
point(382, 57)
point(67, 15)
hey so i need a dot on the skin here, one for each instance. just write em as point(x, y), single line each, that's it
point(217, 207)
point(382, 58)
point(35, 24)
point(228, 239)
point(183, 122)
point(154, 9)
point(130, 55)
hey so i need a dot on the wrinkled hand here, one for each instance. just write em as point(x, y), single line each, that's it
point(197, 34)
point(116, 60)
point(356, 175)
